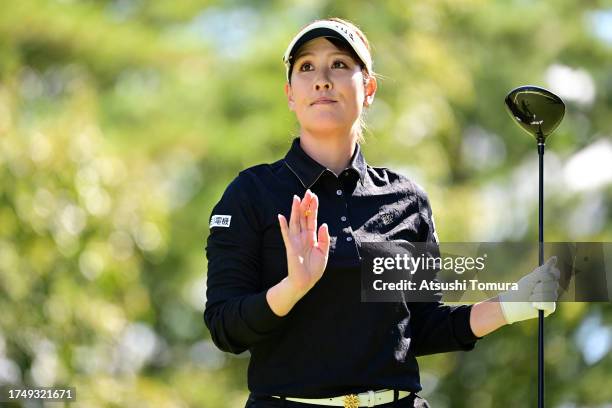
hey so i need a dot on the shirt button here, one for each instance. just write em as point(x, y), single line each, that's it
point(343, 218)
point(339, 192)
point(349, 239)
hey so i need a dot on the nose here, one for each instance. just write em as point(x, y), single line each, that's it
point(323, 81)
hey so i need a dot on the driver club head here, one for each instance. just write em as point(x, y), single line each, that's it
point(537, 110)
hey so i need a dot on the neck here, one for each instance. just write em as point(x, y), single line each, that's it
point(331, 151)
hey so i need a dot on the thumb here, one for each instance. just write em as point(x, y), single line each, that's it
point(323, 239)
point(282, 222)
point(547, 269)
point(284, 230)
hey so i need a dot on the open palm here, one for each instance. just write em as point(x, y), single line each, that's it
point(307, 249)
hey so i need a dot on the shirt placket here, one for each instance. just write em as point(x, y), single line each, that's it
point(346, 241)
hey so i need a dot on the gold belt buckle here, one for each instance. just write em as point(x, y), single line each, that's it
point(351, 401)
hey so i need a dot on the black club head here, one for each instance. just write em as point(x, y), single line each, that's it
point(537, 110)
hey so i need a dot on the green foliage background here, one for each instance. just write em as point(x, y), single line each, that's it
point(121, 122)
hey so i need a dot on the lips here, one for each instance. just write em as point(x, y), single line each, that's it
point(323, 101)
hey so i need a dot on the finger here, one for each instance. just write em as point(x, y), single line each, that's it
point(549, 275)
point(550, 287)
point(294, 221)
point(552, 261)
point(284, 230)
point(543, 297)
point(323, 239)
point(303, 208)
point(555, 273)
point(311, 220)
point(540, 286)
point(541, 272)
point(545, 277)
point(545, 286)
point(545, 293)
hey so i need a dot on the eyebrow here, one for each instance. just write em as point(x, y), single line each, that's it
point(303, 54)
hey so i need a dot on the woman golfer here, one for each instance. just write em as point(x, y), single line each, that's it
point(284, 252)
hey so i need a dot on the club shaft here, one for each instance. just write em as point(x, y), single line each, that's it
point(541, 262)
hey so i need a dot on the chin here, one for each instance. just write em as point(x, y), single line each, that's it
point(326, 127)
point(322, 123)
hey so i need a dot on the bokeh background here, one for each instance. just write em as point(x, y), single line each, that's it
point(121, 123)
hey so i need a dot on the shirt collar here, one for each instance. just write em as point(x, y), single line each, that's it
point(309, 170)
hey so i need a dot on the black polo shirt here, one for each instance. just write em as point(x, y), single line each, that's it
point(330, 343)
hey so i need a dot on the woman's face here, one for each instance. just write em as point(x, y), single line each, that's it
point(327, 92)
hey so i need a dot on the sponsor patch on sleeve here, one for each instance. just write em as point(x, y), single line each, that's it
point(220, 221)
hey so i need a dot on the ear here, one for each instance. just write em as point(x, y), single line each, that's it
point(370, 90)
point(289, 93)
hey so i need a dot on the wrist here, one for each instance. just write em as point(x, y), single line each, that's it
point(486, 317)
point(506, 311)
point(516, 311)
point(282, 297)
point(292, 290)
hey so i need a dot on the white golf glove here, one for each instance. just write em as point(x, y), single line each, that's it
point(536, 291)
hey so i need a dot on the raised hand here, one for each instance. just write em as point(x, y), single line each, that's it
point(307, 248)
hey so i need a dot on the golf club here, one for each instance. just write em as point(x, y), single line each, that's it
point(537, 111)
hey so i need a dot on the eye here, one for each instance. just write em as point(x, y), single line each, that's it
point(305, 64)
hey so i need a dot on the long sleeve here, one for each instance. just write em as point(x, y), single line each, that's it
point(237, 312)
point(436, 327)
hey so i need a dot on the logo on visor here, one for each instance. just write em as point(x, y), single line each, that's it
point(345, 31)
